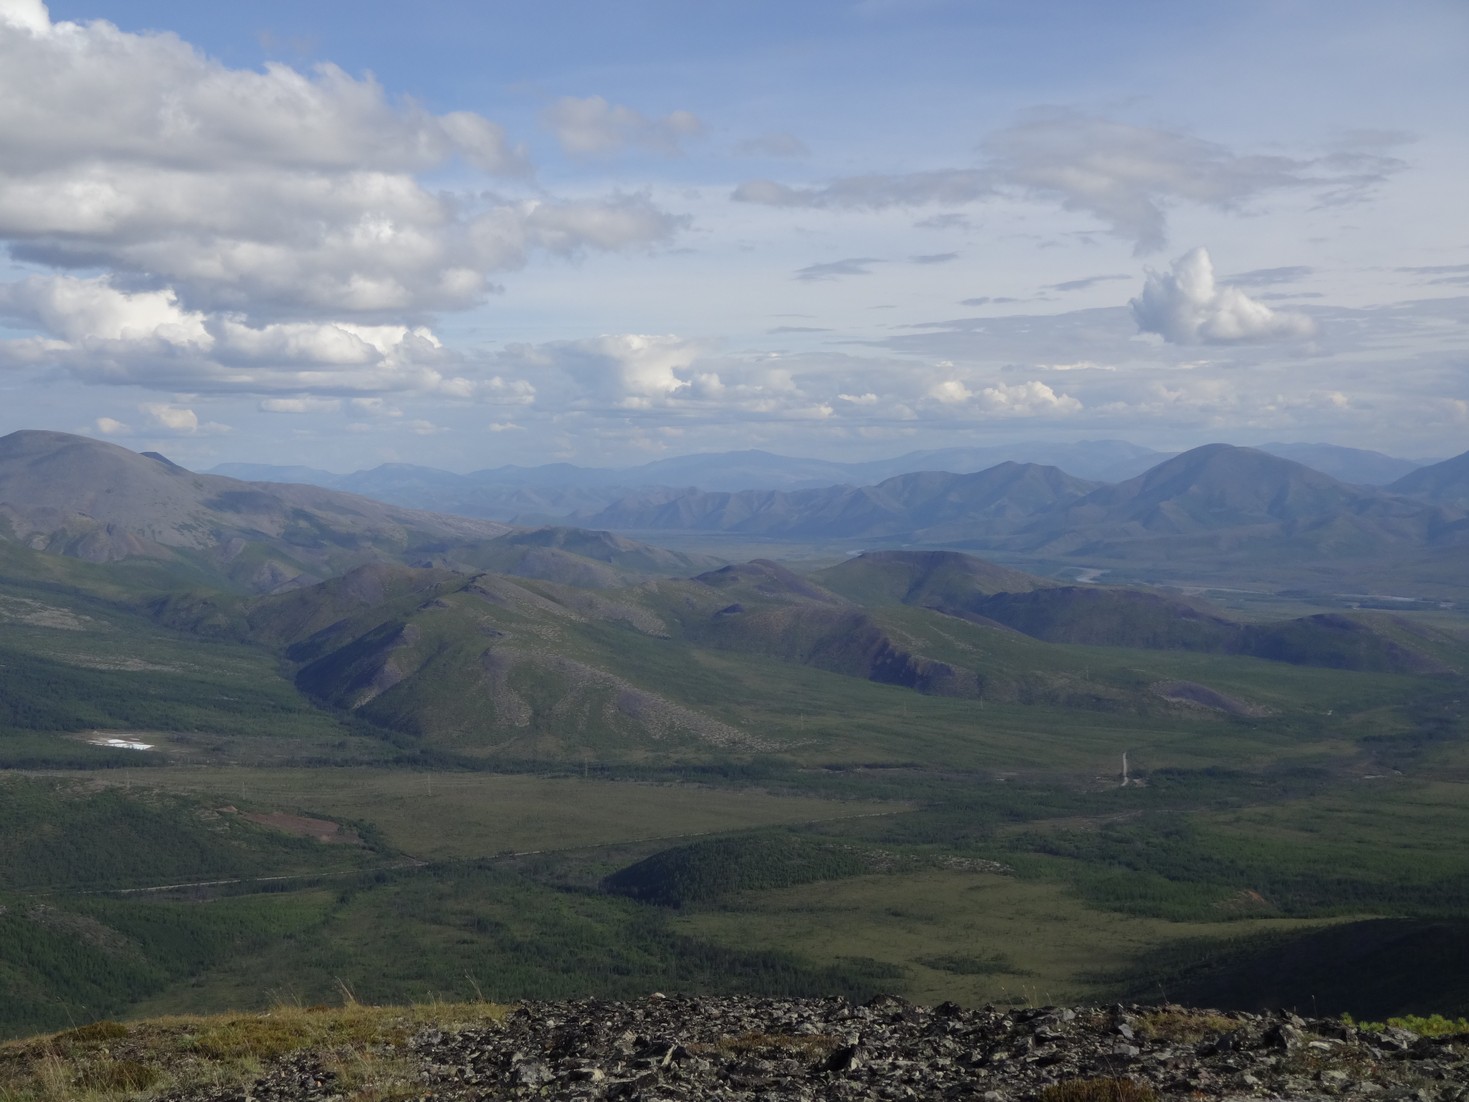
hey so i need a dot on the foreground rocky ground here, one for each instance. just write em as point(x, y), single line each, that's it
point(778, 1049)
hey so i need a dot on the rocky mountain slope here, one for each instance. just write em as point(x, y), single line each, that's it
point(753, 1048)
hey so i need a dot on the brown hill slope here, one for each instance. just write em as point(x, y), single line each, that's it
point(75, 496)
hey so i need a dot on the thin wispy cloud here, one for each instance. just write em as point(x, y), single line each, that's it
point(779, 143)
point(1083, 284)
point(838, 269)
point(592, 127)
point(1126, 175)
point(1441, 275)
point(1267, 277)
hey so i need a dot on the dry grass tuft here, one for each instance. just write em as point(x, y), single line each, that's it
point(108, 1060)
point(1098, 1090)
point(114, 1076)
point(1181, 1025)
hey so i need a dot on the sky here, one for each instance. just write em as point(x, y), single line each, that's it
point(468, 233)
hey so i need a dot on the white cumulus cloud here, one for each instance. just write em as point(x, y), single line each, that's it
point(269, 196)
point(1186, 306)
point(950, 392)
point(1027, 399)
point(146, 338)
point(178, 420)
point(631, 369)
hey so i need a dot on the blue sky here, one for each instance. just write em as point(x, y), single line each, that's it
point(477, 233)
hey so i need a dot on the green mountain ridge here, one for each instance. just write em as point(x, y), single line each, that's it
point(489, 661)
point(459, 762)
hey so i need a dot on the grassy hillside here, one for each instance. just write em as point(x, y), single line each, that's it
point(63, 835)
point(901, 772)
point(1378, 968)
point(79, 939)
point(702, 871)
point(944, 580)
point(126, 895)
point(512, 669)
point(79, 668)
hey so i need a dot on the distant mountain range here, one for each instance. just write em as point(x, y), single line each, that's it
point(1216, 501)
point(560, 490)
point(485, 640)
point(92, 500)
point(1445, 483)
point(1218, 506)
point(926, 507)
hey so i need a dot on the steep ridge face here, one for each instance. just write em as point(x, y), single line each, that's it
point(779, 614)
point(1113, 616)
point(1354, 465)
point(75, 496)
point(943, 506)
point(949, 581)
point(491, 661)
point(1106, 616)
point(1445, 483)
point(610, 548)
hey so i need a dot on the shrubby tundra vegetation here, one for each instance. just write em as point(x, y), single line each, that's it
point(422, 757)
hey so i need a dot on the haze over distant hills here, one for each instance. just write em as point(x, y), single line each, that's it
point(1217, 507)
point(1446, 483)
point(92, 500)
point(561, 490)
point(1216, 503)
point(1223, 499)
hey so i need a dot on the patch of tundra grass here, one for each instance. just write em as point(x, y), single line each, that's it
point(465, 815)
point(1053, 945)
point(483, 929)
point(109, 1060)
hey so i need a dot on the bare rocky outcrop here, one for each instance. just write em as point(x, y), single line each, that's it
point(736, 1048)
